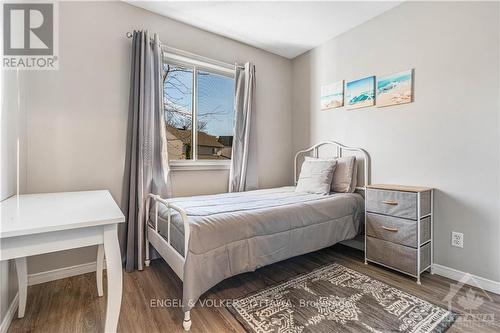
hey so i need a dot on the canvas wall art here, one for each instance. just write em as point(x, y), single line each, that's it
point(332, 95)
point(395, 89)
point(360, 93)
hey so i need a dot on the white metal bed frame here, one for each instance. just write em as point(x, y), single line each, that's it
point(176, 261)
point(339, 153)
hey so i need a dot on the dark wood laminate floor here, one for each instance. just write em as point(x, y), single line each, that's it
point(72, 305)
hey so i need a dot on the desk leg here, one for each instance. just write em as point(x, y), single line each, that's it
point(22, 282)
point(114, 274)
point(100, 266)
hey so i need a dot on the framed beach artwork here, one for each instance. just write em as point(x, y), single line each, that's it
point(360, 93)
point(332, 95)
point(395, 89)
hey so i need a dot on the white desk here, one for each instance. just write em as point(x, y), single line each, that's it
point(42, 223)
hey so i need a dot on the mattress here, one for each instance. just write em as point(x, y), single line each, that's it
point(231, 206)
point(232, 233)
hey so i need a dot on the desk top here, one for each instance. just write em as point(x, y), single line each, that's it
point(47, 212)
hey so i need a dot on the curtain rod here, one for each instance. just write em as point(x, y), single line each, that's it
point(174, 50)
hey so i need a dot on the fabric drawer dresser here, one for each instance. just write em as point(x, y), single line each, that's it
point(398, 226)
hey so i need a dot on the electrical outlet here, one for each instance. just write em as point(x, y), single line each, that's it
point(457, 239)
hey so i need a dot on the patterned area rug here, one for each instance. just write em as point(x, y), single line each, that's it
point(337, 299)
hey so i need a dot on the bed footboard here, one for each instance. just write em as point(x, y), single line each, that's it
point(163, 246)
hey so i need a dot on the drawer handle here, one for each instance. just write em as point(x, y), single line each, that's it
point(390, 229)
point(392, 203)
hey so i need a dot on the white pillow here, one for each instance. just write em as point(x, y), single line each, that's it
point(345, 173)
point(344, 178)
point(316, 176)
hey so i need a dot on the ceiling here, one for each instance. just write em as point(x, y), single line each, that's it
point(284, 28)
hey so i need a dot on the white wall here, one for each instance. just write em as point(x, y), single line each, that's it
point(13, 135)
point(77, 119)
point(448, 138)
point(12, 168)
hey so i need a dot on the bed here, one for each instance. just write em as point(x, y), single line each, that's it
point(206, 239)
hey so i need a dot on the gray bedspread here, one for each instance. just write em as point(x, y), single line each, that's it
point(232, 233)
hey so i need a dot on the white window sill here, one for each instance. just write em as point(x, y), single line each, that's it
point(203, 165)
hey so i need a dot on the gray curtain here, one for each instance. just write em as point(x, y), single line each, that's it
point(147, 157)
point(243, 172)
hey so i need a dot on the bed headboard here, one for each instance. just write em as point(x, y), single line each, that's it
point(328, 149)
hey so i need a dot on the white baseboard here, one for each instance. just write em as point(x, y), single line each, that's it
point(9, 315)
point(455, 274)
point(62, 273)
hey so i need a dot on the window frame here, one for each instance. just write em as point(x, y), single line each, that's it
point(178, 57)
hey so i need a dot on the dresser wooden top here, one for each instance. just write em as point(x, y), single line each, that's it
point(404, 188)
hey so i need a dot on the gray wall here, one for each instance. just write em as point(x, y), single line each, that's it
point(78, 115)
point(448, 138)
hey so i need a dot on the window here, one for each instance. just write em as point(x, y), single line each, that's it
point(199, 110)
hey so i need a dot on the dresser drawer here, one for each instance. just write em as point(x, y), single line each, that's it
point(397, 230)
point(398, 203)
point(395, 203)
point(397, 256)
